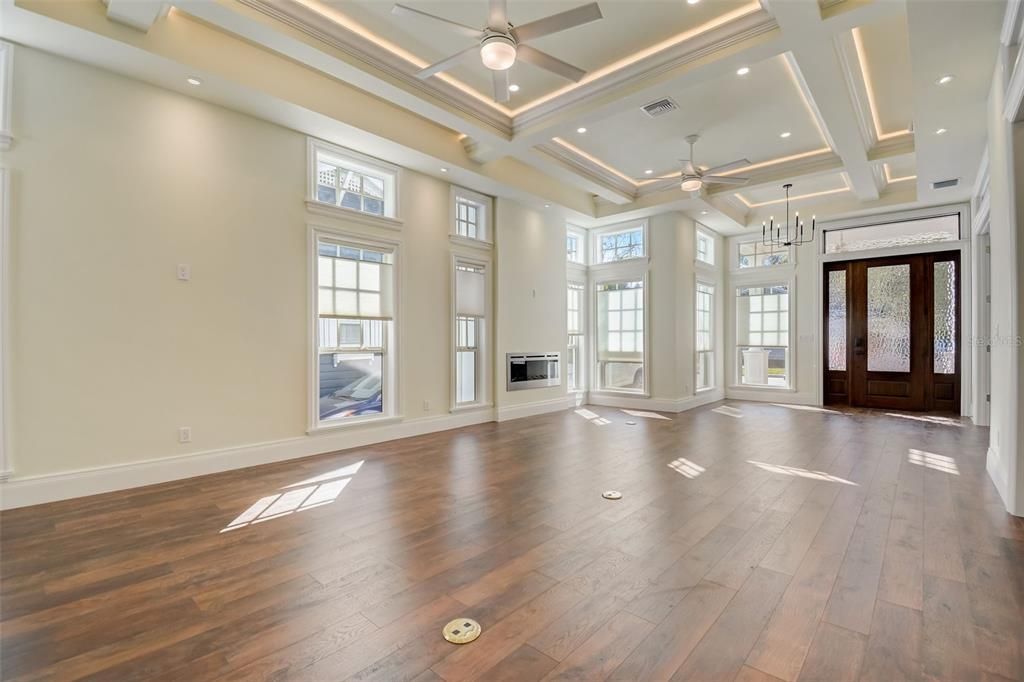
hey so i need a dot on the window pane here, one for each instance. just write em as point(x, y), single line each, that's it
point(345, 274)
point(369, 276)
point(465, 377)
point(888, 235)
point(761, 366)
point(945, 317)
point(837, 320)
point(624, 375)
point(889, 318)
point(350, 385)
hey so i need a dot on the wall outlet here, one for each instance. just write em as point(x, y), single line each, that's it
point(184, 434)
point(184, 272)
point(426, 406)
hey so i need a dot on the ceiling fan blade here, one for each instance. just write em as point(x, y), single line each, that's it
point(497, 17)
point(725, 167)
point(557, 22)
point(501, 91)
point(446, 63)
point(688, 168)
point(725, 180)
point(552, 64)
point(467, 31)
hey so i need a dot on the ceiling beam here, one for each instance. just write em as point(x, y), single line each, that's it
point(139, 14)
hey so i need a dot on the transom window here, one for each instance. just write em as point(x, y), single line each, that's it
point(705, 248)
point(623, 245)
point(762, 335)
point(572, 248)
point(467, 218)
point(758, 255)
point(349, 180)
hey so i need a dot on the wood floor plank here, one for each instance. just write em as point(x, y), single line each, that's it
point(894, 646)
point(598, 656)
point(948, 650)
point(835, 655)
point(525, 663)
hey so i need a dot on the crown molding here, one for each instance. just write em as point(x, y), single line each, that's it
point(899, 145)
point(368, 54)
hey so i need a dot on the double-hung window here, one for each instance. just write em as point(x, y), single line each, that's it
point(575, 356)
point(470, 327)
point(762, 335)
point(621, 245)
point(705, 341)
point(620, 330)
point(346, 179)
point(354, 328)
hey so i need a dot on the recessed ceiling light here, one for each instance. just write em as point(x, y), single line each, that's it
point(703, 212)
point(785, 134)
point(513, 88)
point(648, 171)
point(743, 71)
point(444, 170)
point(940, 131)
point(692, 2)
point(581, 130)
point(547, 205)
point(192, 80)
point(945, 80)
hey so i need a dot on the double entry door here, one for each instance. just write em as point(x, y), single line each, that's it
point(892, 332)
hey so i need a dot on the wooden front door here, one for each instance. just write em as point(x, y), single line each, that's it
point(892, 332)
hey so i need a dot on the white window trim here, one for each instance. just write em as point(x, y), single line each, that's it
point(6, 94)
point(764, 280)
point(595, 242)
point(483, 370)
point(360, 162)
point(580, 280)
point(486, 241)
point(392, 401)
point(629, 273)
point(5, 213)
point(734, 259)
point(715, 346)
point(716, 256)
point(584, 252)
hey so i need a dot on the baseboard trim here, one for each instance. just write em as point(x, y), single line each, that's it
point(655, 404)
point(31, 490)
point(771, 396)
point(507, 413)
point(996, 472)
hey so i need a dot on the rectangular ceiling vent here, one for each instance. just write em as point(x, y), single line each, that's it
point(662, 106)
point(943, 184)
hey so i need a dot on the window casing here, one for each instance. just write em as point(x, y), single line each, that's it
point(345, 179)
point(354, 331)
point(470, 313)
point(705, 336)
point(620, 244)
point(575, 358)
point(758, 255)
point(762, 336)
point(620, 330)
point(705, 248)
point(471, 216)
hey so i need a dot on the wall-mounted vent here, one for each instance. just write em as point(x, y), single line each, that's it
point(662, 106)
point(943, 184)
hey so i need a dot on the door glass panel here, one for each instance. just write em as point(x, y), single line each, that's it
point(945, 317)
point(837, 320)
point(889, 318)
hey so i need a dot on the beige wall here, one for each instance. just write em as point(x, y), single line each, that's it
point(115, 182)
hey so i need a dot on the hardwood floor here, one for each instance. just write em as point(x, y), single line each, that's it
point(755, 542)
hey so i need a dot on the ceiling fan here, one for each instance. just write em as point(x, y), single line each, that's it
point(500, 43)
point(694, 178)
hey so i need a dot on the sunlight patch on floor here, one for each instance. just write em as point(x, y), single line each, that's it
point(802, 473)
point(808, 408)
point(646, 415)
point(592, 417)
point(729, 411)
point(686, 467)
point(315, 492)
point(930, 460)
point(928, 419)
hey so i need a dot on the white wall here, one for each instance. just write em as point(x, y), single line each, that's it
point(114, 183)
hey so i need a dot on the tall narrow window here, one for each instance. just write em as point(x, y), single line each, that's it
point(620, 325)
point(945, 317)
point(705, 341)
point(574, 359)
point(762, 335)
point(355, 303)
point(837, 320)
point(470, 314)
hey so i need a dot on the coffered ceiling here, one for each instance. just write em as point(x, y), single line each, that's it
point(840, 97)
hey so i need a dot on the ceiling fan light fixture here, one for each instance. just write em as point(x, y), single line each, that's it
point(691, 184)
point(498, 52)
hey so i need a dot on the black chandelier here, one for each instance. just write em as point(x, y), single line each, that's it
point(777, 235)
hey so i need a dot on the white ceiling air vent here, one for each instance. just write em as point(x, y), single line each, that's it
point(943, 184)
point(662, 106)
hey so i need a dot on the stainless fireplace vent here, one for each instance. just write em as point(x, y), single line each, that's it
point(532, 370)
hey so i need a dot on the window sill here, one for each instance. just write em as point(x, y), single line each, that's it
point(342, 213)
point(709, 389)
point(623, 392)
point(469, 242)
point(354, 422)
point(474, 407)
point(767, 389)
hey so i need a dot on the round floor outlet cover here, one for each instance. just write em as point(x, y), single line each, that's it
point(631, 423)
point(461, 631)
point(611, 495)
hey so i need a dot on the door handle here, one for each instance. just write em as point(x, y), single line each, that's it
point(859, 347)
